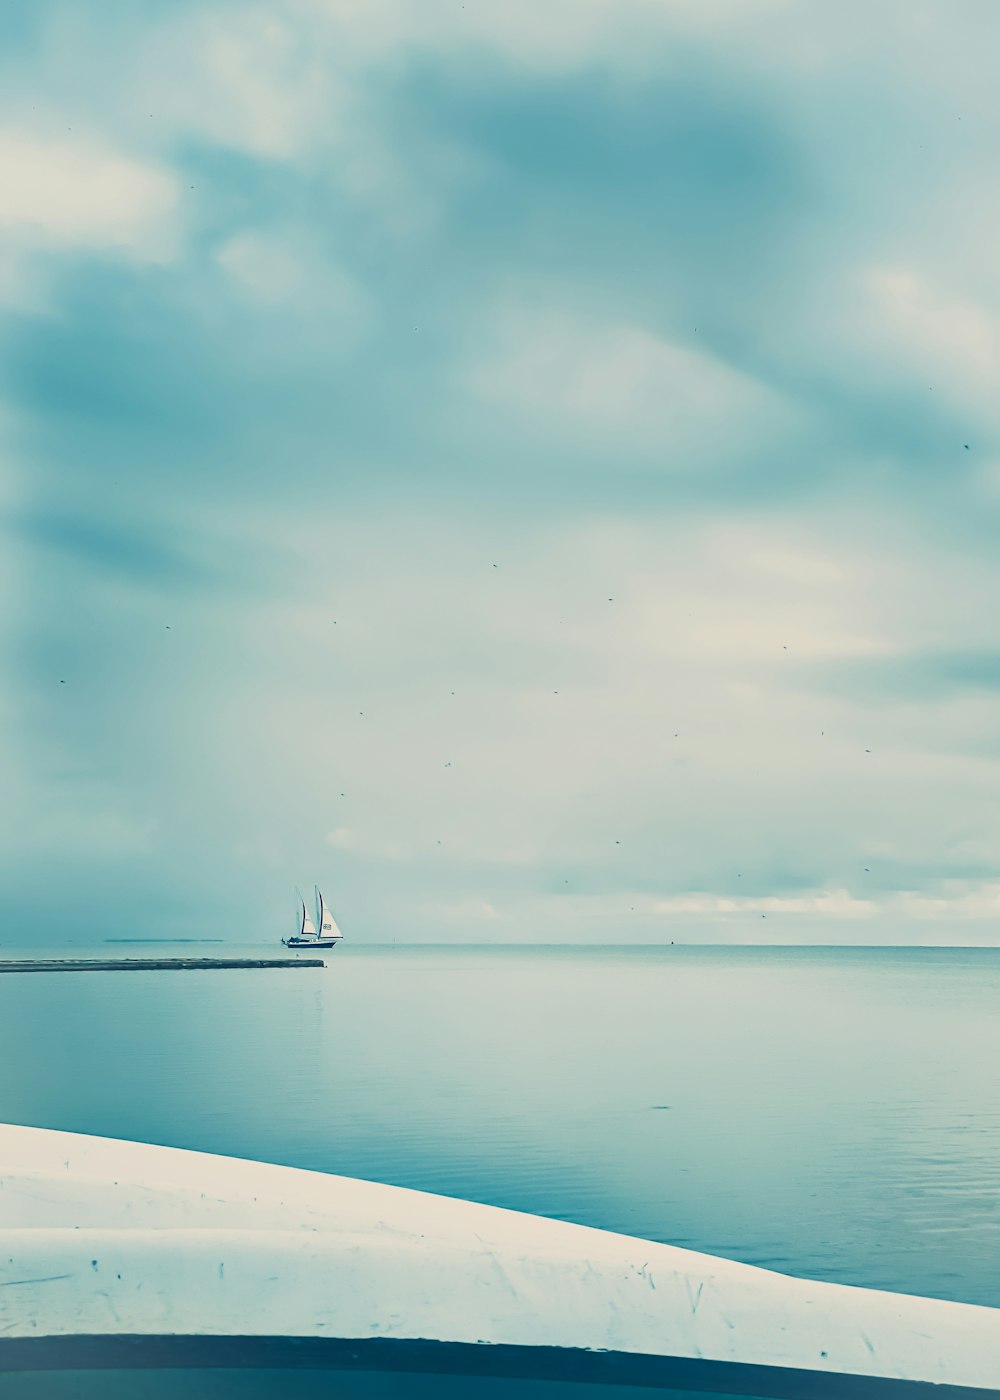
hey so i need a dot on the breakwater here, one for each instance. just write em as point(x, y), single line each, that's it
point(149, 964)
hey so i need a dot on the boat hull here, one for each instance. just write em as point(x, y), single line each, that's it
point(118, 1254)
point(310, 942)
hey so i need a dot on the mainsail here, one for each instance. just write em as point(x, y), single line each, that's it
point(327, 923)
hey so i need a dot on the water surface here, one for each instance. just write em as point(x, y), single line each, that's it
point(831, 1113)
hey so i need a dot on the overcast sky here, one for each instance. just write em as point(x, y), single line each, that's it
point(530, 466)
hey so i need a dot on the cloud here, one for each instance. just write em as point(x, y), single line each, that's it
point(89, 830)
point(490, 456)
point(366, 846)
point(961, 912)
point(462, 916)
point(952, 341)
point(819, 904)
point(632, 391)
point(919, 675)
point(559, 36)
point(255, 78)
point(283, 272)
point(79, 193)
point(137, 552)
point(496, 729)
point(963, 901)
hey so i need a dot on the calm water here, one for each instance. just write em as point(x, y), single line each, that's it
point(830, 1113)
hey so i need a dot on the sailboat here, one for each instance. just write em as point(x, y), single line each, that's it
point(306, 934)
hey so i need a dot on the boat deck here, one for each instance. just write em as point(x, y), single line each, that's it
point(121, 1255)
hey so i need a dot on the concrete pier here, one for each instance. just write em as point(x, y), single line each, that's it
point(148, 964)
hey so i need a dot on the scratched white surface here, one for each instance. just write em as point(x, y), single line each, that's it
point(100, 1236)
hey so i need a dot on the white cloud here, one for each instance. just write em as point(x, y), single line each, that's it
point(284, 83)
point(948, 901)
point(554, 36)
point(78, 193)
point(947, 327)
point(252, 79)
point(465, 915)
point(517, 727)
point(514, 720)
point(628, 387)
point(950, 339)
point(962, 900)
point(305, 81)
point(283, 271)
point(376, 847)
point(821, 904)
point(754, 595)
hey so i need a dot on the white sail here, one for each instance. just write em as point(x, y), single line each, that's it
point(327, 923)
point(307, 928)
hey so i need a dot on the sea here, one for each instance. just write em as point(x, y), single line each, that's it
point(828, 1112)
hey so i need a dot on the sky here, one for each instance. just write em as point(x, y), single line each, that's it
point(531, 468)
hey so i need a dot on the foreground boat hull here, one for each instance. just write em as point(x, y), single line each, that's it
point(678, 1377)
point(310, 942)
point(120, 1255)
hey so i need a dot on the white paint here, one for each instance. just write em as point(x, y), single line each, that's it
point(100, 1237)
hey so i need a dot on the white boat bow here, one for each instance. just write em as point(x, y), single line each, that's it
point(103, 1242)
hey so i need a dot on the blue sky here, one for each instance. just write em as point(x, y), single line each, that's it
point(532, 468)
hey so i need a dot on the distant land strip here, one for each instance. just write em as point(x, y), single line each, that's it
point(148, 964)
